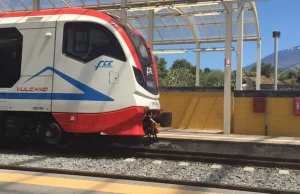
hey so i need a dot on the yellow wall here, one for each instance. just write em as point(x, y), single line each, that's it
point(194, 110)
point(244, 120)
point(281, 119)
point(204, 111)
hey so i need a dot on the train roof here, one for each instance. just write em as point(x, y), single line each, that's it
point(52, 15)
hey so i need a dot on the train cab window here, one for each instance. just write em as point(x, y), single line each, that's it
point(11, 42)
point(86, 41)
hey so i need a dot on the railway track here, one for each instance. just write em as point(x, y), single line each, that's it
point(89, 150)
point(147, 179)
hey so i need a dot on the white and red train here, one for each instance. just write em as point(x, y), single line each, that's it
point(74, 71)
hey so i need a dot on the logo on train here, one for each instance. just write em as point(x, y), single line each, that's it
point(104, 64)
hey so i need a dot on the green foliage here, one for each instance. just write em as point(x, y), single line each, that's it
point(179, 77)
point(266, 69)
point(293, 73)
point(212, 78)
point(161, 64)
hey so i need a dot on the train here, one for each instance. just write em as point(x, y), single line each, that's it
point(73, 71)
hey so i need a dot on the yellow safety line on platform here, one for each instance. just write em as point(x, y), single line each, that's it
point(91, 185)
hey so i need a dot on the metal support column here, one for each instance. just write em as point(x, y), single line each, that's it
point(150, 28)
point(258, 64)
point(123, 13)
point(198, 65)
point(36, 5)
point(227, 72)
point(240, 39)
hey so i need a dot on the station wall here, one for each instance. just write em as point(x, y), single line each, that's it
point(199, 110)
point(203, 110)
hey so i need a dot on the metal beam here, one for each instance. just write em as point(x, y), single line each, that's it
point(258, 64)
point(123, 13)
point(36, 5)
point(240, 35)
point(198, 66)
point(150, 28)
point(213, 40)
point(227, 72)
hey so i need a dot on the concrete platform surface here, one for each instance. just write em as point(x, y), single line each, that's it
point(20, 182)
point(206, 141)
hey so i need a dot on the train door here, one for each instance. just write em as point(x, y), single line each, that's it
point(86, 54)
point(27, 53)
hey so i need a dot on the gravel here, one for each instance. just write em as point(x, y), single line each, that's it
point(195, 171)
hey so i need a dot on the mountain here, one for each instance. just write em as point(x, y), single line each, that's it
point(287, 58)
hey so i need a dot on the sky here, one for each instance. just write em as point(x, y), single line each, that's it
point(273, 15)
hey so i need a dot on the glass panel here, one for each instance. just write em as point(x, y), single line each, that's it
point(221, 18)
point(59, 3)
point(248, 16)
point(144, 22)
point(208, 19)
point(15, 5)
point(27, 3)
point(138, 13)
point(45, 4)
point(90, 2)
point(181, 20)
point(200, 31)
point(170, 21)
point(135, 23)
point(176, 33)
point(106, 2)
point(202, 8)
point(250, 29)
point(187, 33)
point(157, 36)
point(75, 3)
point(195, 20)
point(5, 7)
point(188, 9)
point(158, 22)
point(222, 30)
point(234, 30)
point(162, 11)
point(234, 16)
point(212, 31)
point(164, 32)
point(217, 7)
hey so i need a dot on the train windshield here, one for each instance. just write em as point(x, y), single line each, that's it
point(146, 62)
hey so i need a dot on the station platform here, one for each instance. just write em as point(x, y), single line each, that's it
point(30, 182)
point(214, 141)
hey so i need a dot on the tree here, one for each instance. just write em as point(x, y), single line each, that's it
point(182, 64)
point(213, 78)
point(161, 64)
point(179, 77)
point(266, 69)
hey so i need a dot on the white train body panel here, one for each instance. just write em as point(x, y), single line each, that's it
point(53, 82)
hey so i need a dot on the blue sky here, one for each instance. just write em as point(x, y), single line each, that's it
point(273, 15)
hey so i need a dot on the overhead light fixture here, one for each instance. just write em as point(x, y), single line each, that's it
point(169, 51)
point(207, 14)
point(215, 49)
point(195, 4)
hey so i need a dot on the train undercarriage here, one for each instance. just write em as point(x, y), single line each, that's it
point(42, 127)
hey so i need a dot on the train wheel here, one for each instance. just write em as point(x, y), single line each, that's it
point(53, 134)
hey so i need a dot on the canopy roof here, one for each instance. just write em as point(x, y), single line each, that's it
point(175, 21)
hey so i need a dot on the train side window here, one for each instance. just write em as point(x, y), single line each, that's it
point(11, 43)
point(85, 41)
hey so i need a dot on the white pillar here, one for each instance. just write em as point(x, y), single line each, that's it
point(123, 13)
point(227, 72)
point(240, 39)
point(36, 5)
point(258, 64)
point(198, 65)
point(150, 28)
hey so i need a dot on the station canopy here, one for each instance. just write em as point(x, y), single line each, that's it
point(175, 21)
